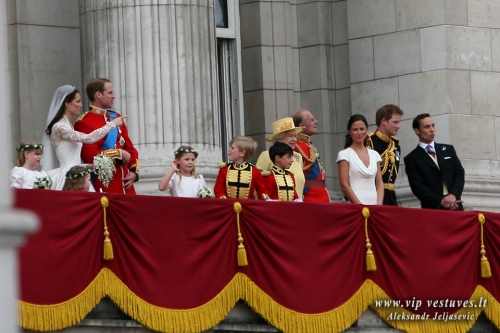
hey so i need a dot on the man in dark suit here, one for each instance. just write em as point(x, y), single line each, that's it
point(434, 171)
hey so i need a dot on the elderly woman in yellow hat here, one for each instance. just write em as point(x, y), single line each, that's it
point(285, 131)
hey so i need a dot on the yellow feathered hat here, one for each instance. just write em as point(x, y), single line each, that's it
point(283, 125)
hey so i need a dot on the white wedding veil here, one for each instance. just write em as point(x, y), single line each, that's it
point(48, 161)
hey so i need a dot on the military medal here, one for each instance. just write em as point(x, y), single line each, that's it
point(122, 141)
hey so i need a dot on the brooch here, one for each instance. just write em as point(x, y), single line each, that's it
point(122, 141)
point(444, 148)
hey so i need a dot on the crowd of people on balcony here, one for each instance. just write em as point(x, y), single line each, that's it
point(291, 170)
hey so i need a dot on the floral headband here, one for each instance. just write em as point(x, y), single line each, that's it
point(28, 146)
point(77, 174)
point(181, 151)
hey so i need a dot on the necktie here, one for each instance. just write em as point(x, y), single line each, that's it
point(430, 151)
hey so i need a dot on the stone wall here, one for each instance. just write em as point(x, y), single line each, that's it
point(44, 54)
point(161, 59)
point(334, 58)
point(295, 55)
point(436, 57)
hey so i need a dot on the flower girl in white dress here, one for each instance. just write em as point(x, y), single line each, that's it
point(64, 140)
point(181, 178)
point(77, 179)
point(24, 175)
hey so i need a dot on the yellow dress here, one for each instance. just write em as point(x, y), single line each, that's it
point(264, 162)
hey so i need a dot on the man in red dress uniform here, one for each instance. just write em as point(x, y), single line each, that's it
point(116, 144)
point(315, 187)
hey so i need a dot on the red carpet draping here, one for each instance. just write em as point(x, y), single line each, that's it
point(175, 265)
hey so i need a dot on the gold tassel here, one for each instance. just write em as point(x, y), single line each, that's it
point(108, 247)
point(371, 265)
point(485, 265)
point(242, 253)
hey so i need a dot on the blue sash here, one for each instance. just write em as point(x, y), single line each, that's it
point(110, 141)
point(314, 172)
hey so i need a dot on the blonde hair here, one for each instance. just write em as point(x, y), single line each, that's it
point(245, 143)
point(182, 150)
point(75, 178)
point(28, 145)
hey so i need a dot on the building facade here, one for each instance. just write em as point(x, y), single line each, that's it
point(199, 72)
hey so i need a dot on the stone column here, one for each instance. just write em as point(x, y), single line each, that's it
point(295, 56)
point(439, 57)
point(44, 52)
point(13, 225)
point(161, 59)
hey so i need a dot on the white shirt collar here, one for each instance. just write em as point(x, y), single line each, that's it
point(424, 145)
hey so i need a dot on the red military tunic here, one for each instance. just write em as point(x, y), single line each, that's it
point(239, 182)
point(96, 118)
point(280, 184)
point(315, 187)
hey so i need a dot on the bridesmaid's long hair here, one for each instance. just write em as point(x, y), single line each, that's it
point(60, 113)
point(354, 118)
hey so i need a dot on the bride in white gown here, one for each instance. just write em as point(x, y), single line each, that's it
point(64, 140)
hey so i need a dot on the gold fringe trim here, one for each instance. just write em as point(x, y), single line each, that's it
point(492, 311)
point(62, 315)
point(371, 265)
point(66, 314)
point(485, 265)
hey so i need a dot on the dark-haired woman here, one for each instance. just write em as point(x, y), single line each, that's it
point(64, 140)
point(359, 167)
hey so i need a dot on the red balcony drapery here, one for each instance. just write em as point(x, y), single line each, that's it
point(175, 264)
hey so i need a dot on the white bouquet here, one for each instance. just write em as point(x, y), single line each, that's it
point(104, 168)
point(42, 183)
point(206, 193)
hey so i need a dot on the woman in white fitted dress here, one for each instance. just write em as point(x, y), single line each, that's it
point(359, 167)
point(64, 140)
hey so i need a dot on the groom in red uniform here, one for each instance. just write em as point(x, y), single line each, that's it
point(116, 144)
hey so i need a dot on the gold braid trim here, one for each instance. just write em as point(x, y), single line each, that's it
point(62, 315)
point(388, 155)
point(304, 156)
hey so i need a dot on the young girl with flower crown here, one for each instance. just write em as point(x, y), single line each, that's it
point(181, 178)
point(24, 175)
point(77, 179)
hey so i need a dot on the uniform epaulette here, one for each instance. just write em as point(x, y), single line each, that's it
point(266, 173)
point(395, 139)
point(83, 115)
point(257, 167)
point(223, 164)
point(369, 142)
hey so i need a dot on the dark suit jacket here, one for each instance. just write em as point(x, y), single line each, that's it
point(426, 179)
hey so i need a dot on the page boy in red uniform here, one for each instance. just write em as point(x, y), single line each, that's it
point(239, 179)
point(280, 182)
